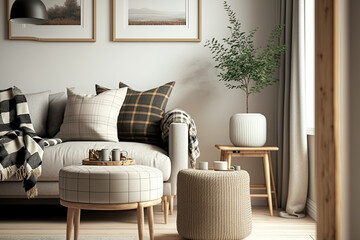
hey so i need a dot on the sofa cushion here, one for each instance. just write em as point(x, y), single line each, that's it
point(141, 114)
point(72, 153)
point(38, 108)
point(57, 103)
point(92, 117)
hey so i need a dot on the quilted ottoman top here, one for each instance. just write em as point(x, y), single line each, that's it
point(110, 184)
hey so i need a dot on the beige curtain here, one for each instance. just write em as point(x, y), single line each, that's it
point(293, 159)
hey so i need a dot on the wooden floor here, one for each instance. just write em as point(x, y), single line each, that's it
point(51, 221)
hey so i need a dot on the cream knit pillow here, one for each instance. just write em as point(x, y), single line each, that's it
point(92, 117)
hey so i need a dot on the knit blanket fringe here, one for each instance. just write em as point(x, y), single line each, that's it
point(21, 174)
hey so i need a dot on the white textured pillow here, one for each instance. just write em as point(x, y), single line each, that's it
point(92, 117)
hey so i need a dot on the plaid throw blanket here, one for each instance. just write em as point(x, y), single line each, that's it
point(21, 150)
point(180, 116)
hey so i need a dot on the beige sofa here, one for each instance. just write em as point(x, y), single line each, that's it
point(72, 153)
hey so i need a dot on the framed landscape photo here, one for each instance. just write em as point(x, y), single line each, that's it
point(156, 20)
point(69, 21)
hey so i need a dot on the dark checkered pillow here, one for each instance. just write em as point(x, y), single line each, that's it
point(141, 113)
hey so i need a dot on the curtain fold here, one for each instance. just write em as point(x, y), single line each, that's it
point(292, 138)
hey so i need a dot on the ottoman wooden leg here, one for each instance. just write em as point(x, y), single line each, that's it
point(171, 204)
point(162, 204)
point(74, 210)
point(76, 223)
point(140, 220)
point(70, 222)
point(166, 208)
point(150, 213)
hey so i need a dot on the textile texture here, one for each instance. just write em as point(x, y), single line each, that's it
point(21, 150)
point(38, 104)
point(92, 117)
point(213, 204)
point(72, 153)
point(180, 116)
point(56, 110)
point(140, 116)
point(293, 164)
point(48, 142)
point(109, 184)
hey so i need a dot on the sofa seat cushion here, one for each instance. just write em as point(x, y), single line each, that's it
point(73, 152)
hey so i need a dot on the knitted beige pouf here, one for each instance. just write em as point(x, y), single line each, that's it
point(213, 204)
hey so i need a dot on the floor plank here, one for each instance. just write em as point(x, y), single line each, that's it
point(51, 221)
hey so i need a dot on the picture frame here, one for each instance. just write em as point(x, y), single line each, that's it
point(81, 28)
point(156, 21)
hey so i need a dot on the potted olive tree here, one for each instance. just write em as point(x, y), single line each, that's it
point(244, 66)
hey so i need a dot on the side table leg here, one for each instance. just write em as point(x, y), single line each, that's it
point(150, 214)
point(228, 159)
point(273, 181)
point(140, 220)
point(267, 181)
point(222, 155)
point(70, 222)
point(76, 223)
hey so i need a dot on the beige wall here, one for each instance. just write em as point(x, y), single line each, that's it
point(354, 119)
point(350, 118)
point(344, 117)
point(38, 66)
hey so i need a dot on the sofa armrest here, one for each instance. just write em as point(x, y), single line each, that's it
point(178, 151)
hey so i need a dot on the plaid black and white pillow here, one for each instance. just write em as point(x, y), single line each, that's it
point(92, 117)
point(141, 113)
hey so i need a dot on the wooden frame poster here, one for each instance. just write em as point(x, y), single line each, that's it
point(157, 20)
point(69, 20)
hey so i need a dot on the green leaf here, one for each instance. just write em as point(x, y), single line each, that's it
point(240, 62)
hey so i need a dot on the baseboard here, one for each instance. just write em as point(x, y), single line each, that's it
point(311, 209)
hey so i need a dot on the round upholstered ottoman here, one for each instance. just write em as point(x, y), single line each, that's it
point(109, 188)
point(213, 204)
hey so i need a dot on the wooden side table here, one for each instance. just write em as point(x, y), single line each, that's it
point(229, 151)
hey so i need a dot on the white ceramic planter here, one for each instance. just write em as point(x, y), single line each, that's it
point(248, 129)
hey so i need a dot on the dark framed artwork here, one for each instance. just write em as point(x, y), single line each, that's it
point(69, 20)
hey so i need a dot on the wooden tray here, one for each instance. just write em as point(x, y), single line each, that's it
point(129, 161)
